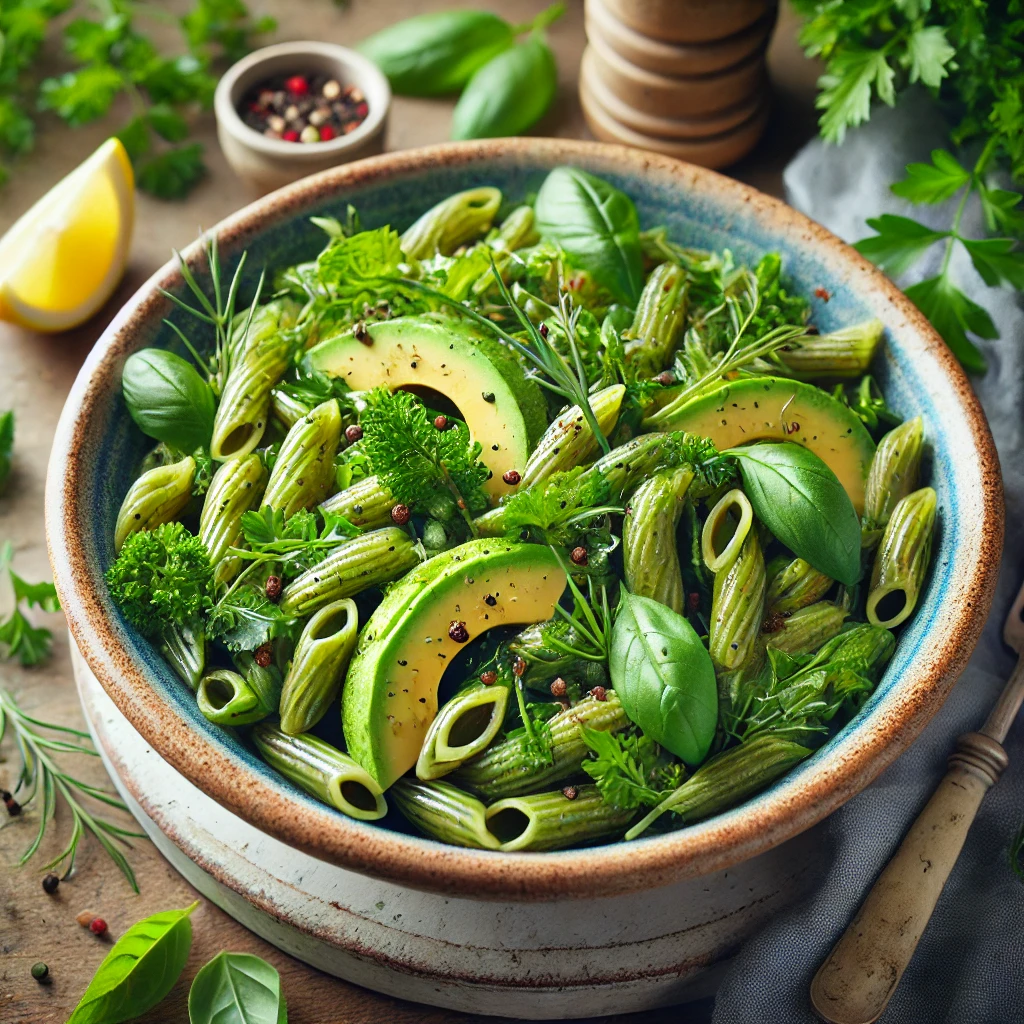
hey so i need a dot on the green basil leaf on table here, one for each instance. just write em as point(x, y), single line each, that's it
point(168, 399)
point(237, 988)
point(597, 226)
point(139, 970)
point(6, 445)
point(509, 94)
point(664, 677)
point(435, 54)
point(801, 501)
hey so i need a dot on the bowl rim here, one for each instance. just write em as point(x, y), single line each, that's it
point(788, 808)
point(370, 79)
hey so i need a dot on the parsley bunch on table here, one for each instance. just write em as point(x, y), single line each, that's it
point(970, 56)
point(111, 57)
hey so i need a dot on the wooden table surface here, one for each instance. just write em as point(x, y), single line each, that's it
point(36, 373)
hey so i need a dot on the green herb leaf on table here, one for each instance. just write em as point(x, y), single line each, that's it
point(236, 988)
point(509, 94)
point(139, 971)
point(6, 446)
point(168, 399)
point(934, 182)
point(664, 677)
point(997, 261)
point(173, 173)
point(29, 644)
point(954, 315)
point(899, 242)
point(597, 227)
point(795, 494)
point(846, 89)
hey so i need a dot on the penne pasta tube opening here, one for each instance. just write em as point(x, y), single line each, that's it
point(226, 698)
point(889, 606)
point(465, 727)
point(354, 793)
point(724, 533)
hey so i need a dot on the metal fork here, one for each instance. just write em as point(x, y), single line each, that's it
point(856, 982)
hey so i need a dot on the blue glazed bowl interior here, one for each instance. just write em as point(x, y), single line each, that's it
point(698, 219)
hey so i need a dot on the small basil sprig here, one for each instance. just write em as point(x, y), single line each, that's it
point(664, 677)
point(801, 501)
point(237, 988)
point(435, 54)
point(139, 970)
point(168, 399)
point(597, 226)
point(509, 94)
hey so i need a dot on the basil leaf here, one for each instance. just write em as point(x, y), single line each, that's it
point(168, 399)
point(236, 988)
point(801, 501)
point(597, 226)
point(664, 677)
point(139, 970)
point(509, 94)
point(434, 54)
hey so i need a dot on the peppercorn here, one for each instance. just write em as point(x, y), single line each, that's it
point(263, 655)
point(518, 666)
point(12, 805)
point(331, 89)
point(274, 586)
point(490, 600)
point(665, 378)
point(692, 601)
point(290, 136)
point(558, 687)
point(85, 918)
point(458, 632)
point(353, 433)
point(489, 678)
point(441, 422)
point(40, 971)
point(326, 133)
point(400, 514)
point(360, 333)
point(570, 792)
point(50, 883)
point(98, 926)
point(297, 84)
point(543, 330)
point(512, 477)
point(579, 556)
point(599, 693)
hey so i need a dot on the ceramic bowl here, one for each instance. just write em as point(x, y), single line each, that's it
point(96, 447)
point(265, 163)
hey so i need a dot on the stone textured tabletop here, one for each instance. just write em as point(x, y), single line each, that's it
point(36, 373)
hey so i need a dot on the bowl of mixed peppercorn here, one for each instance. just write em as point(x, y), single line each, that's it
point(293, 109)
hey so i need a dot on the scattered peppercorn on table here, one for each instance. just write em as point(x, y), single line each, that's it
point(53, 941)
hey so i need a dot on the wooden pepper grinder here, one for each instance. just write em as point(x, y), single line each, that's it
point(682, 77)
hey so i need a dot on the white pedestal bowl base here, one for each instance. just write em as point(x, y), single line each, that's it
point(542, 961)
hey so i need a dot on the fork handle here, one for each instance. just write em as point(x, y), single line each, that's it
point(855, 983)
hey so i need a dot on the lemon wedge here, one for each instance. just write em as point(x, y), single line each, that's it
point(61, 260)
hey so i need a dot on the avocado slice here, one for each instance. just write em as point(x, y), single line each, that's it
point(390, 695)
point(778, 409)
point(503, 410)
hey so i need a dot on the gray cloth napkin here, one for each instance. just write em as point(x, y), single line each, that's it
point(969, 966)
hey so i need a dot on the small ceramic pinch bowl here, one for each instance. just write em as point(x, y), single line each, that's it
point(603, 930)
point(268, 163)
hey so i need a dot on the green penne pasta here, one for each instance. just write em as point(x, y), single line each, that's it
point(844, 353)
point(444, 812)
point(727, 780)
point(228, 698)
point(257, 364)
point(796, 585)
point(725, 530)
point(184, 647)
point(569, 441)
point(517, 230)
point(512, 767)
point(552, 821)
point(286, 409)
point(807, 628)
point(265, 681)
point(658, 323)
point(157, 497)
point(649, 553)
point(237, 486)
point(317, 670)
point(893, 475)
point(464, 727)
point(322, 771)
point(366, 504)
point(454, 221)
point(363, 562)
point(737, 606)
point(304, 470)
point(902, 559)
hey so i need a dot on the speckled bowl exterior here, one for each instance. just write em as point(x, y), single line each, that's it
point(97, 445)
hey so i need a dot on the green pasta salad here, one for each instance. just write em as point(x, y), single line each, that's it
point(526, 528)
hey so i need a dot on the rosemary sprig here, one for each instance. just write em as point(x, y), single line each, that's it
point(42, 779)
point(219, 313)
point(1017, 853)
